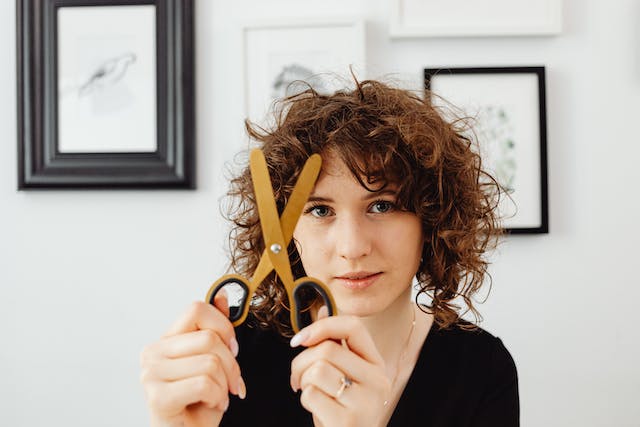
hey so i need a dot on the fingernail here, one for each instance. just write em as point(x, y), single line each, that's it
point(242, 389)
point(226, 406)
point(299, 338)
point(234, 347)
point(294, 387)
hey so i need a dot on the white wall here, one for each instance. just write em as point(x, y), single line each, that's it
point(88, 277)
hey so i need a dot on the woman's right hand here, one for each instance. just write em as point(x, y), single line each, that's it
point(187, 375)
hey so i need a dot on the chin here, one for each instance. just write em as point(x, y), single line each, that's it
point(358, 308)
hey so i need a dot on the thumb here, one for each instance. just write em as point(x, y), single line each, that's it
point(323, 312)
point(221, 302)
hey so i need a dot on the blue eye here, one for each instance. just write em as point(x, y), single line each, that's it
point(382, 206)
point(319, 211)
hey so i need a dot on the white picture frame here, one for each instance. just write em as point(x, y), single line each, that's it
point(276, 53)
point(466, 18)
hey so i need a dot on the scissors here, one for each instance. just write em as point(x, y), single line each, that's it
point(277, 233)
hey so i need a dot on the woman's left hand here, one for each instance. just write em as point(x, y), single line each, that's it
point(322, 369)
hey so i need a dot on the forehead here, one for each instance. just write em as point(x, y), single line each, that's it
point(333, 167)
point(335, 175)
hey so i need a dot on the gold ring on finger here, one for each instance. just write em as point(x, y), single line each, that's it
point(345, 383)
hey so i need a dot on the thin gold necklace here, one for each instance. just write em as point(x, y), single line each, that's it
point(403, 354)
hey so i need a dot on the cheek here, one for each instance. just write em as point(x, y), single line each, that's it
point(304, 243)
point(308, 245)
point(406, 239)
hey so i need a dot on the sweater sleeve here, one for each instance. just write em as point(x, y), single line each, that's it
point(500, 405)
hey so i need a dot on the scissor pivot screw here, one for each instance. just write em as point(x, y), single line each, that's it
point(275, 248)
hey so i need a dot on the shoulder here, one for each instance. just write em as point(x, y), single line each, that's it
point(474, 357)
point(471, 375)
point(470, 343)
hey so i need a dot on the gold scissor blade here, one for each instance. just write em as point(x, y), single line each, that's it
point(292, 211)
point(300, 195)
point(274, 240)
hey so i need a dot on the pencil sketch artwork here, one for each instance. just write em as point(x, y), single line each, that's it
point(497, 135)
point(294, 78)
point(282, 60)
point(288, 73)
point(106, 79)
point(107, 74)
point(106, 86)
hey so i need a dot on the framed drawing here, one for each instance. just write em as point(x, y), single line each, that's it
point(458, 18)
point(105, 94)
point(507, 105)
point(278, 57)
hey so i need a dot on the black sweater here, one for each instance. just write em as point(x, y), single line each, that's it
point(461, 378)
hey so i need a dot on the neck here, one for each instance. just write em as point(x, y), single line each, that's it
point(390, 328)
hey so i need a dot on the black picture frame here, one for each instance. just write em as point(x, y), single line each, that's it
point(42, 166)
point(538, 113)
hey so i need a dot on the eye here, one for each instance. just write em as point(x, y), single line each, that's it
point(319, 211)
point(382, 206)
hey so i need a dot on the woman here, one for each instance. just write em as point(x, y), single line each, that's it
point(401, 195)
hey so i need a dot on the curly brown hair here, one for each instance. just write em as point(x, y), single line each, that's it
point(384, 135)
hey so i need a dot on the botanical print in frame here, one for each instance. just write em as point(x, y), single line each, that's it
point(507, 108)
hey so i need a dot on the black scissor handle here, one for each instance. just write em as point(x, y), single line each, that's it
point(238, 314)
point(300, 319)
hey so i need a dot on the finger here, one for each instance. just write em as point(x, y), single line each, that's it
point(186, 367)
point(347, 328)
point(189, 344)
point(221, 302)
point(324, 376)
point(194, 415)
point(204, 344)
point(322, 406)
point(200, 415)
point(179, 370)
point(323, 312)
point(172, 398)
point(201, 315)
point(344, 360)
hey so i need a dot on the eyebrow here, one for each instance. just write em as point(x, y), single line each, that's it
point(373, 195)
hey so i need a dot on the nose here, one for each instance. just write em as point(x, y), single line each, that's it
point(353, 237)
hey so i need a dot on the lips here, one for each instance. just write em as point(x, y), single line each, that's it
point(358, 279)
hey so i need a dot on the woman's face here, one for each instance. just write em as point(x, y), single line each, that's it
point(358, 243)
